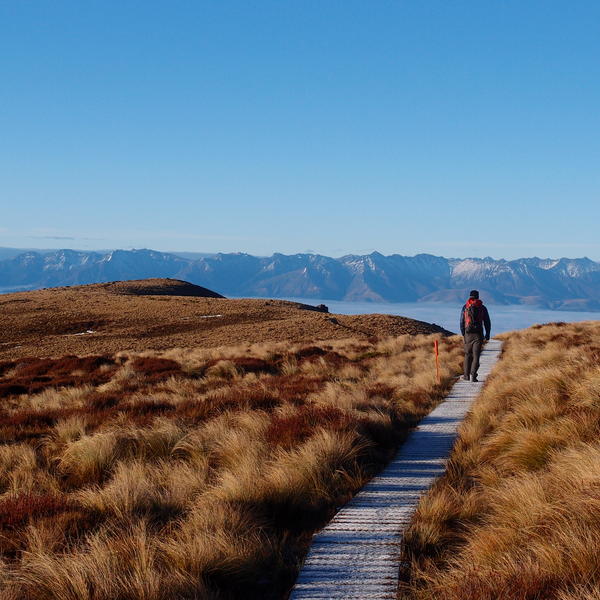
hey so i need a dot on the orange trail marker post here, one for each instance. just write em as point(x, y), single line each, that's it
point(436, 349)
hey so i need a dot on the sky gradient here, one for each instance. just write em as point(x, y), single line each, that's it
point(335, 126)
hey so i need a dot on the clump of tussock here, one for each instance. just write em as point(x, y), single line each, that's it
point(199, 473)
point(517, 514)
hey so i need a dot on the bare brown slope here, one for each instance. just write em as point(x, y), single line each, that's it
point(107, 318)
point(156, 287)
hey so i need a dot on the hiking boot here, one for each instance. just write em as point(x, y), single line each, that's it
point(474, 378)
point(466, 378)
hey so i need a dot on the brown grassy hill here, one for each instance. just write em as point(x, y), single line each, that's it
point(157, 314)
point(155, 287)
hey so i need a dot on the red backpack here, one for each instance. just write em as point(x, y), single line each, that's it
point(473, 316)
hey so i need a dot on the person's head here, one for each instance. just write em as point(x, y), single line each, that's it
point(474, 294)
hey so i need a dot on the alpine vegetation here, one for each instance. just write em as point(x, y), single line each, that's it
point(517, 514)
point(188, 474)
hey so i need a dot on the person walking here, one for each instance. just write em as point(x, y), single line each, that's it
point(474, 317)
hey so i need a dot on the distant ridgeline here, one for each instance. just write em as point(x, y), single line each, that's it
point(567, 284)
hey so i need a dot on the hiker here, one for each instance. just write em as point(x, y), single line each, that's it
point(473, 317)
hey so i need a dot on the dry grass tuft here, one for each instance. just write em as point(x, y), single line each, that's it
point(196, 474)
point(32, 375)
point(517, 515)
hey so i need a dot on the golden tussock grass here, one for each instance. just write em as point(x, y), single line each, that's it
point(517, 515)
point(197, 473)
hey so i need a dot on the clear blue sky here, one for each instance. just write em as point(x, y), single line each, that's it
point(463, 128)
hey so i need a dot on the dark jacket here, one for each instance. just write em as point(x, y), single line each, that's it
point(485, 321)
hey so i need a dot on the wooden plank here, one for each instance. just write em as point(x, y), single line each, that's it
point(357, 554)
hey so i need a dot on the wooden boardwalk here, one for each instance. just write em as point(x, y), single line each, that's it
point(357, 554)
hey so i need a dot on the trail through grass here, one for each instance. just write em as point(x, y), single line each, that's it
point(195, 473)
point(517, 515)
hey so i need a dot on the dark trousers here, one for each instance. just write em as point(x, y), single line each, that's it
point(473, 345)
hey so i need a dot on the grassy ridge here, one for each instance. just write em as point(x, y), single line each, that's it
point(194, 474)
point(151, 315)
point(517, 515)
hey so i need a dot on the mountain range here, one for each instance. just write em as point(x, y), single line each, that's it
point(562, 284)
